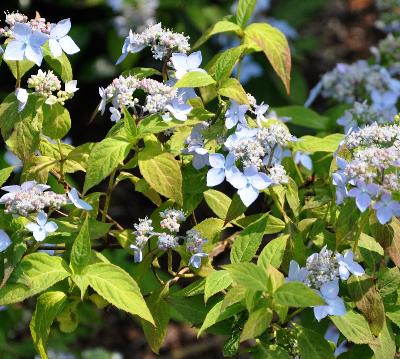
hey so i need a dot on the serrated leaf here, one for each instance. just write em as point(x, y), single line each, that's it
point(81, 249)
point(296, 294)
point(195, 79)
point(60, 65)
point(311, 144)
point(48, 306)
point(216, 282)
point(248, 275)
point(244, 11)
point(104, 158)
point(118, 288)
point(163, 173)
point(35, 273)
point(232, 89)
point(292, 197)
point(257, 323)
point(385, 346)
point(273, 252)
point(217, 28)
point(56, 121)
point(354, 327)
point(246, 244)
point(313, 345)
point(219, 202)
point(275, 47)
point(226, 62)
point(305, 117)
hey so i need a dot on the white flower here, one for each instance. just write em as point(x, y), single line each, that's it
point(186, 63)
point(59, 40)
point(22, 97)
point(77, 202)
point(259, 112)
point(5, 241)
point(70, 86)
point(41, 228)
point(115, 114)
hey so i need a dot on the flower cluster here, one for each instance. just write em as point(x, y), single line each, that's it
point(369, 173)
point(388, 20)
point(30, 197)
point(254, 154)
point(322, 273)
point(360, 115)
point(163, 42)
point(387, 53)
point(45, 83)
point(171, 220)
point(359, 82)
point(28, 36)
point(160, 98)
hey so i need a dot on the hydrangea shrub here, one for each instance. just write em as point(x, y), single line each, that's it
point(307, 226)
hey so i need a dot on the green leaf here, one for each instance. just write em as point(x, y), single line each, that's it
point(292, 197)
point(388, 281)
point(354, 327)
point(118, 288)
point(244, 11)
point(257, 323)
point(305, 117)
point(371, 250)
point(4, 174)
point(219, 202)
point(274, 225)
point(56, 121)
point(232, 89)
point(364, 294)
point(385, 347)
point(273, 252)
point(311, 144)
point(104, 158)
point(296, 294)
point(246, 244)
point(226, 62)
point(248, 275)
point(195, 79)
point(60, 65)
point(236, 208)
point(81, 249)
point(48, 306)
point(35, 273)
point(273, 43)
point(217, 28)
point(313, 345)
point(163, 173)
point(21, 69)
point(215, 282)
point(155, 334)
point(216, 314)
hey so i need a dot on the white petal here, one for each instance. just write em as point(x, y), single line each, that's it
point(215, 176)
point(34, 54)
point(61, 29)
point(15, 51)
point(41, 219)
point(55, 48)
point(248, 195)
point(5, 240)
point(50, 227)
point(32, 227)
point(68, 45)
point(194, 60)
point(179, 61)
point(217, 160)
point(40, 235)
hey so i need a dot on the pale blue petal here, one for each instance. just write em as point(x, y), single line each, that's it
point(321, 312)
point(330, 290)
point(22, 31)
point(68, 45)
point(236, 178)
point(39, 235)
point(50, 227)
point(306, 161)
point(217, 160)
point(336, 306)
point(15, 51)
point(343, 272)
point(38, 39)
point(194, 60)
point(55, 48)
point(248, 195)
point(5, 240)
point(384, 214)
point(215, 176)
point(41, 219)
point(61, 29)
point(363, 200)
point(34, 54)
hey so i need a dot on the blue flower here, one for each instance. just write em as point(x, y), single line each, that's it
point(138, 255)
point(5, 241)
point(130, 45)
point(296, 274)
point(304, 159)
point(334, 304)
point(195, 259)
point(59, 40)
point(347, 265)
point(73, 196)
point(184, 64)
point(260, 111)
point(386, 208)
point(26, 44)
point(249, 183)
point(236, 113)
point(339, 179)
point(220, 168)
point(41, 228)
point(364, 193)
point(332, 334)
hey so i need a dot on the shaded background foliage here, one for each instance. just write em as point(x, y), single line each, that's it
point(328, 31)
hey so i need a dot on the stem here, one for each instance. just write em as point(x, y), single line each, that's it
point(62, 160)
point(18, 80)
point(95, 247)
point(299, 173)
point(108, 196)
point(363, 220)
point(239, 67)
point(293, 314)
point(169, 253)
point(280, 208)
